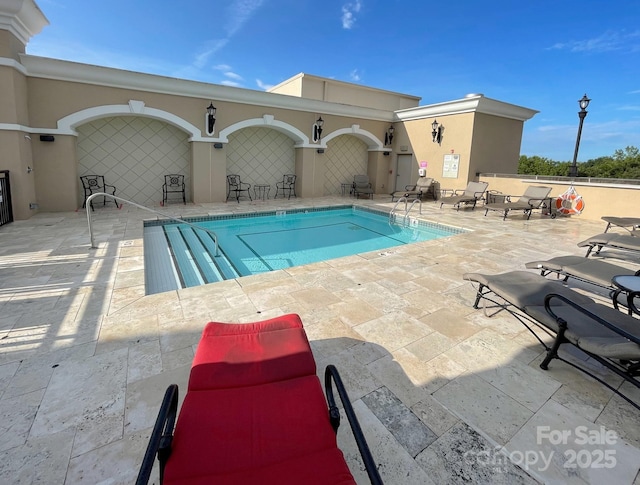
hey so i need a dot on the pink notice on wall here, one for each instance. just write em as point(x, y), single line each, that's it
point(423, 164)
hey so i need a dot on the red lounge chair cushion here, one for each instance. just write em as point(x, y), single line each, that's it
point(269, 434)
point(238, 355)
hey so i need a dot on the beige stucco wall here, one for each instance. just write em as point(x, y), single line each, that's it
point(496, 144)
point(56, 173)
point(314, 87)
point(16, 157)
point(600, 199)
point(457, 139)
point(10, 46)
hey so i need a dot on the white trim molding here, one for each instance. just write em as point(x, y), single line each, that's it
point(474, 103)
point(22, 18)
point(372, 141)
point(68, 124)
point(301, 140)
point(8, 62)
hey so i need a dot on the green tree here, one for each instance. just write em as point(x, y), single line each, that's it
point(622, 164)
point(541, 166)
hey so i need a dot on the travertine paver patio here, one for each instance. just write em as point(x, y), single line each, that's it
point(85, 356)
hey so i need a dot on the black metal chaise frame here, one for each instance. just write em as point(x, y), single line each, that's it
point(570, 318)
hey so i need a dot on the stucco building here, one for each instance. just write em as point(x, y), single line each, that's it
point(60, 120)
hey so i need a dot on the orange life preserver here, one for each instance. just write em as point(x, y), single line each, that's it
point(570, 203)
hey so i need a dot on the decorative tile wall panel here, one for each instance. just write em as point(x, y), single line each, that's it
point(260, 156)
point(346, 156)
point(134, 154)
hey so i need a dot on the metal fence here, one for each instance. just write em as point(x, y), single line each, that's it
point(587, 180)
point(6, 211)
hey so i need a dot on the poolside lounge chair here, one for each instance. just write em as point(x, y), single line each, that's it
point(603, 333)
point(612, 240)
point(362, 186)
point(254, 412)
point(534, 197)
point(593, 271)
point(469, 196)
point(422, 187)
point(623, 222)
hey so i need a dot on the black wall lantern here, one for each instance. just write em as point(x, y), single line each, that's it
point(388, 136)
point(436, 132)
point(210, 119)
point(317, 129)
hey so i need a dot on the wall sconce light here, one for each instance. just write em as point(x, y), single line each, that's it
point(436, 132)
point(317, 129)
point(210, 119)
point(388, 136)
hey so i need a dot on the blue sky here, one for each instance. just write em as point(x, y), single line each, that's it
point(539, 54)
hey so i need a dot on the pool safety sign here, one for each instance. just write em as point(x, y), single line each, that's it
point(450, 166)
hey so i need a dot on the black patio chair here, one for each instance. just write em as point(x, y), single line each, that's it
point(173, 183)
point(235, 185)
point(288, 184)
point(94, 184)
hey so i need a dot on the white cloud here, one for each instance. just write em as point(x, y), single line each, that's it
point(233, 75)
point(239, 12)
point(355, 75)
point(209, 49)
point(348, 11)
point(228, 82)
point(264, 86)
point(606, 42)
point(628, 108)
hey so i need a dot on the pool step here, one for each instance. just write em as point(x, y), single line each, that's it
point(181, 257)
point(160, 273)
point(190, 274)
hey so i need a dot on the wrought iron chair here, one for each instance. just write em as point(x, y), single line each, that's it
point(173, 183)
point(288, 184)
point(235, 185)
point(94, 184)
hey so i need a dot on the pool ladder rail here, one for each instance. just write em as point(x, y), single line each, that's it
point(407, 208)
point(213, 235)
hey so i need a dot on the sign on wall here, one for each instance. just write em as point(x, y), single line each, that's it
point(450, 166)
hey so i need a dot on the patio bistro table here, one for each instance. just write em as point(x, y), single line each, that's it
point(261, 191)
point(630, 285)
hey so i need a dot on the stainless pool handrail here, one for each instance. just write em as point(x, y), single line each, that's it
point(406, 210)
point(98, 194)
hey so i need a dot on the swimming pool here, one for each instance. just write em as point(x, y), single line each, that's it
point(256, 243)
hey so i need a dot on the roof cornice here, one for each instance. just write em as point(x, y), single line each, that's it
point(46, 68)
point(23, 18)
point(470, 104)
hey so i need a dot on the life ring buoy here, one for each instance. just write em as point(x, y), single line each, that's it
point(569, 204)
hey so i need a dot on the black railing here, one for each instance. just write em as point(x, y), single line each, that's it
point(6, 210)
point(562, 179)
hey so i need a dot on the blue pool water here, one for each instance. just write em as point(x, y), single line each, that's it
point(272, 241)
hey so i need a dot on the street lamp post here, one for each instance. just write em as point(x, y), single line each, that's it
point(583, 102)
